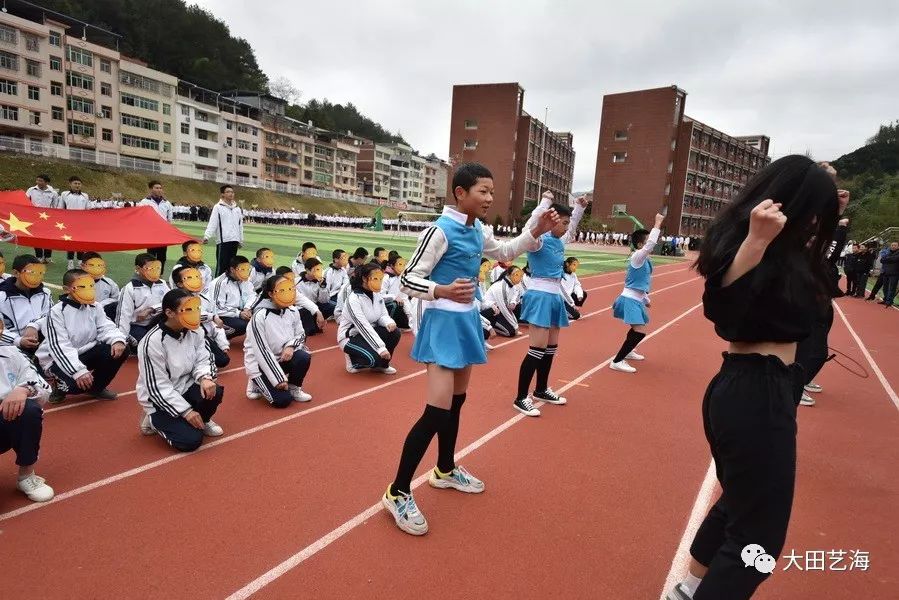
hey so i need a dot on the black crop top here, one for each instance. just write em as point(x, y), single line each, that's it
point(755, 308)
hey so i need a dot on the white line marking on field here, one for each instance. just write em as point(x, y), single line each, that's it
point(334, 535)
point(883, 380)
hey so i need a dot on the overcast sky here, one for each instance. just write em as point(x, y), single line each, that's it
point(815, 76)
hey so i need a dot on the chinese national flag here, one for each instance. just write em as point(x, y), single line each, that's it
point(101, 230)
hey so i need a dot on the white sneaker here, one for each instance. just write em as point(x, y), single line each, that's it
point(146, 425)
point(622, 366)
point(405, 513)
point(460, 479)
point(36, 488)
point(679, 592)
point(806, 400)
point(526, 407)
point(253, 391)
point(349, 364)
point(212, 429)
point(388, 370)
point(634, 356)
point(813, 388)
point(298, 394)
point(489, 347)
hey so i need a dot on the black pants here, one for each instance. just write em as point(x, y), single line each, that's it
point(579, 302)
point(364, 356)
point(237, 324)
point(811, 352)
point(310, 324)
point(398, 314)
point(221, 358)
point(71, 255)
point(327, 309)
point(224, 252)
point(500, 323)
point(890, 282)
point(111, 309)
point(180, 434)
point(295, 370)
point(749, 415)
point(573, 313)
point(851, 282)
point(42, 254)
point(100, 362)
point(22, 435)
point(160, 254)
point(861, 284)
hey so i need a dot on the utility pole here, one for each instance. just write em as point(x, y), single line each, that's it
point(542, 152)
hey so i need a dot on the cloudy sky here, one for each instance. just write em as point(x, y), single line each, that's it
point(817, 77)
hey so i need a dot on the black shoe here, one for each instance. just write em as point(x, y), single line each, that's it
point(105, 394)
point(870, 298)
point(57, 396)
point(550, 397)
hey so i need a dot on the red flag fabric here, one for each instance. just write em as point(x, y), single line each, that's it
point(101, 230)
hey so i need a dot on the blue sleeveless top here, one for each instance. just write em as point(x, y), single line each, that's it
point(462, 258)
point(638, 279)
point(547, 261)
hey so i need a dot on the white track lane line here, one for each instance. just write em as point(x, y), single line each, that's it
point(334, 535)
point(224, 440)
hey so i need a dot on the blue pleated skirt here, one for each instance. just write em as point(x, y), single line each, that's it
point(450, 339)
point(632, 312)
point(543, 309)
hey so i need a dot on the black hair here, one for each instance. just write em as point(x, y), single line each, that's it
point(280, 271)
point(74, 178)
point(86, 256)
point(639, 237)
point(378, 250)
point(152, 183)
point(237, 261)
point(507, 274)
point(268, 286)
point(360, 253)
point(467, 175)
point(143, 258)
point(561, 209)
point(308, 245)
point(72, 274)
point(336, 254)
point(394, 256)
point(566, 266)
point(261, 250)
point(177, 275)
point(225, 187)
point(808, 198)
point(170, 301)
point(527, 269)
point(188, 244)
point(44, 176)
point(23, 260)
point(311, 263)
point(361, 273)
point(484, 259)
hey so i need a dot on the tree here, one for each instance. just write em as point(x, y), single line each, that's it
point(282, 87)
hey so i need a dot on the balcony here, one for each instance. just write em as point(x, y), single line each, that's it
point(81, 140)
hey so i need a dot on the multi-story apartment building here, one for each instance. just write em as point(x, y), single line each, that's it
point(435, 182)
point(651, 155)
point(373, 170)
point(147, 99)
point(488, 125)
point(406, 175)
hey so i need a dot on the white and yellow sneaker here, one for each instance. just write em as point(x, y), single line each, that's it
point(458, 479)
point(405, 513)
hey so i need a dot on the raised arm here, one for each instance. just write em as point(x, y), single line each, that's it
point(639, 256)
point(765, 223)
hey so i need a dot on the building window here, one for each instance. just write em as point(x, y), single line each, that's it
point(619, 157)
point(55, 88)
point(167, 147)
point(85, 130)
point(166, 109)
point(35, 118)
point(105, 65)
point(229, 158)
point(229, 142)
point(185, 110)
point(166, 128)
point(80, 56)
point(255, 163)
point(255, 147)
point(106, 112)
point(185, 128)
point(185, 148)
point(9, 61)
point(140, 102)
point(136, 141)
point(34, 92)
point(471, 124)
point(56, 39)
point(140, 122)
point(670, 166)
point(107, 135)
point(56, 113)
point(31, 42)
point(621, 135)
point(667, 189)
point(228, 125)
point(471, 144)
point(85, 82)
point(9, 87)
point(106, 89)
point(619, 209)
point(59, 138)
point(9, 113)
point(55, 63)
point(81, 105)
point(8, 34)
point(33, 68)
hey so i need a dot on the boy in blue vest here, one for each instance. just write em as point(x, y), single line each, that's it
point(631, 305)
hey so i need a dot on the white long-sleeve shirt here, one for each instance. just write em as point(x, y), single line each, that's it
point(432, 245)
point(19, 310)
point(571, 285)
point(638, 257)
point(168, 363)
point(271, 330)
point(71, 201)
point(162, 208)
point(225, 223)
point(207, 316)
point(17, 371)
point(106, 290)
point(312, 290)
point(360, 313)
point(545, 204)
point(335, 278)
point(71, 330)
point(231, 296)
point(136, 296)
point(46, 198)
point(503, 295)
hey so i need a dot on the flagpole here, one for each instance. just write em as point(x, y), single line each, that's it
point(542, 153)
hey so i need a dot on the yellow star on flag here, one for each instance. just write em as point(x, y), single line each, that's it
point(44, 216)
point(60, 226)
point(67, 238)
point(17, 225)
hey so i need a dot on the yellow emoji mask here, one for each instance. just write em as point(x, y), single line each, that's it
point(242, 272)
point(344, 260)
point(96, 267)
point(291, 276)
point(83, 290)
point(317, 272)
point(195, 253)
point(284, 294)
point(375, 280)
point(399, 266)
point(573, 265)
point(189, 313)
point(267, 259)
point(482, 274)
point(309, 253)
point(191, 280)
point(152, 271)
point(2, 265)
point(516, 276)
point(32, 276)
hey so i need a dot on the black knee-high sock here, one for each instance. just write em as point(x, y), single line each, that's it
point(446, 437)
point(630, 342)
point(545, 365)
point(431, 421)
point(529, 365)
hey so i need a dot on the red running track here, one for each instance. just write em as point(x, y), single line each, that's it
point(588, 501)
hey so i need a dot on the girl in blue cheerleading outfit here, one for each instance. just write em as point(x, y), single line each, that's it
point(543, 306)
point(443, 275)
point(631, 305)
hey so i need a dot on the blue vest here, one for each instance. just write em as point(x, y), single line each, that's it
point(638, 279)
point(462, 258)
point(547, 261)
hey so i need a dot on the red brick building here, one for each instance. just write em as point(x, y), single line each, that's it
point(650, 155)
point(489, 125)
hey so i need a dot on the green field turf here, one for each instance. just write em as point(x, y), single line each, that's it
point(285, 242)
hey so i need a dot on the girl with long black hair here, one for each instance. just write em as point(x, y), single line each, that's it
point(765, 282)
